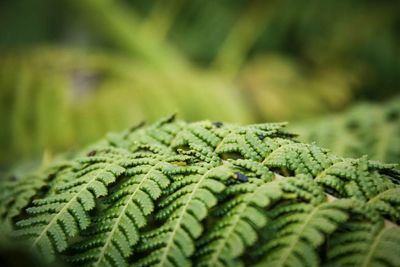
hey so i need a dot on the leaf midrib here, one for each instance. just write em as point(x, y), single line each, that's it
point(66, 206)
point(117, 221)
point(178, 222)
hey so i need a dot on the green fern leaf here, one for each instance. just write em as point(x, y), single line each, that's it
point(298, 228)
point(205, 193)
point(115, 230)
point(172, 243)
point(365, 244)
point(301, 229)
point(366, 129)
point(236, 229)
point(387, 203)
point(56, 218)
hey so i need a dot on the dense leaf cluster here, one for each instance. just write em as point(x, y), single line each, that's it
point(208, 194)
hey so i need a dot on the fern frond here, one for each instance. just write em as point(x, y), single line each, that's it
point(58, 217)
point(387, 203)
point(183, 211)
point(207, 193)
point(366, 129)
point(365, 244)
point(111, 236)
point(238, 222)
point(354, 179)
point(16, 195)
point(18, 192)
point(298, 229)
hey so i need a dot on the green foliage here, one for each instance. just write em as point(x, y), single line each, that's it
point(319, 35)
point(265, 61)
point(18, 191)
point(366, 129)
point(300, 229)
point(64, 213)
point(208, 194)
point(239, 219)
point(57, 99)
point(271, 81)
point(365, 244)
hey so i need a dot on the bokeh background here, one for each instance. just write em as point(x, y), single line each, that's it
point(72, 70)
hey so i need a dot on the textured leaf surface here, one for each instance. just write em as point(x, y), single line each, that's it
point(208, 194)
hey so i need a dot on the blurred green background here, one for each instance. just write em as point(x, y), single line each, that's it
point(72, 70)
